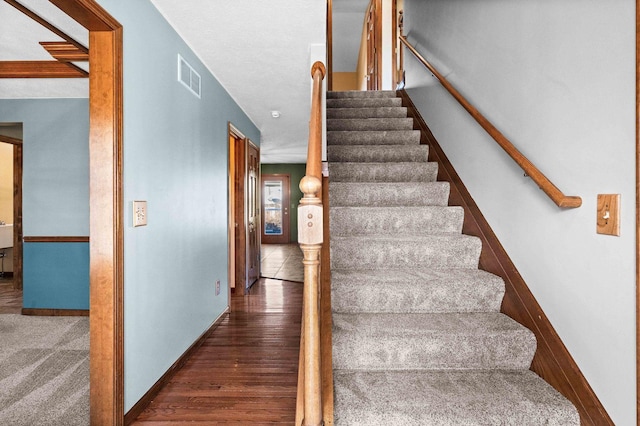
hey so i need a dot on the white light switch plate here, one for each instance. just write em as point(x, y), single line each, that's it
point(139, 213)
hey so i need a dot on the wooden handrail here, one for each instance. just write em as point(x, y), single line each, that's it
point(557, 196)
point(310, 237)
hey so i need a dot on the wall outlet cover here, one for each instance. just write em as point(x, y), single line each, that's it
point(139, 213)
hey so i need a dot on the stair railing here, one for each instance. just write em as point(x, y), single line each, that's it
point(310, 237)
point(552, 191)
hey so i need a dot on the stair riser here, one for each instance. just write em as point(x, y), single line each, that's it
point(359, 94)
point(435, 252)
point(437, 351)
point(356, 124)
point(436, 297)
point(363, 103)
point(408, 221)
point(383, 172)
point(388, 195)
point(381, 112)
point(395, 137)
point(378, 154)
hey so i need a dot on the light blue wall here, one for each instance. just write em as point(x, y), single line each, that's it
point(55, 182)
point(55, 190)
point(558, 79)
point(175, 158)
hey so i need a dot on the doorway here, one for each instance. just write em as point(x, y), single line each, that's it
point(244, 211)
point(11, 196)
point(275, 209)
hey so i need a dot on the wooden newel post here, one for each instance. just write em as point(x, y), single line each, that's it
point(310, 238)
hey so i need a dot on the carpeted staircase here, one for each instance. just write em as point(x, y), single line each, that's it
point(418, 337)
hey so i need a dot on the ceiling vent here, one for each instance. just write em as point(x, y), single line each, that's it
point(188, 76)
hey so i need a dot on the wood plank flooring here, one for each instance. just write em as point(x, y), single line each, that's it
point(10, 299)
point(246, 370)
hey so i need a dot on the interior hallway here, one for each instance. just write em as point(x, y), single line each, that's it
point(246, 370)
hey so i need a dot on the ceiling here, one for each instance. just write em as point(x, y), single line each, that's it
point(258, 50)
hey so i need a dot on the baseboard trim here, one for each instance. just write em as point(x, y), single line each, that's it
point(55, 312)
point(146, 399)
point(552, 360)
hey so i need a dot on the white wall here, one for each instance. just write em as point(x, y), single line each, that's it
point(558, 78)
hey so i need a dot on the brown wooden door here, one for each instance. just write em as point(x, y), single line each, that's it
point(275, 209)
point(253, 214)
point(244, 211)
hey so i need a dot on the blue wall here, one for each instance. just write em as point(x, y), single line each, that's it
point(175, 158)
point(56, 275)
point(55, 189)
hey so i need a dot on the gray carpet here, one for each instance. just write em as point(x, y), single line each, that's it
point(418, 337)
point(44, 371)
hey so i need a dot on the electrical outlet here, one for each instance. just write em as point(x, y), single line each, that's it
point(139, 213)
point(217, 287)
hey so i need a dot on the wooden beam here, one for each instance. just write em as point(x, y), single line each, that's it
point(64, 51)
point(40, 20)
point(40, 69)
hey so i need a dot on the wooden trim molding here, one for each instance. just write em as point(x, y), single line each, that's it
point(106, 221)
point(56, 239)
point(146, 399)
point(10, 140)
point(64, 51)
point(40, 20)
point(638, 209)
point(17, 216)
point(552, 360)
point(55, 312)
point(40, 69)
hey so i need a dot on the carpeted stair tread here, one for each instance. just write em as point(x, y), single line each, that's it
point(372, 112)
point(415, 290)
point(389, 252)
point(377, 153)
point(383, 172)
point(363, 102)
point(362, 94)
point(448, 398)
point(373, 137)
point(393, 341)
point(354, 124)
point(384, 194)
point(403, 220)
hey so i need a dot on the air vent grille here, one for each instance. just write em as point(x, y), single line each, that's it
point(188, 76)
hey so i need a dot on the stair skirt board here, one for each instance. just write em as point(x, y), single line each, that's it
point(418, 337)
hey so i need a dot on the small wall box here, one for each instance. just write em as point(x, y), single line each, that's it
point(139, 213)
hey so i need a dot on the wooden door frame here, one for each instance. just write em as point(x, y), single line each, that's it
point(288, 226)
point(106, 218)
point(233, 136)
point(17, 209)
point(638, 209)
point(258, 211)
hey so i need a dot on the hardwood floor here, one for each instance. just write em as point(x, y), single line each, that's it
point(10, 299)
point(246, 370)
